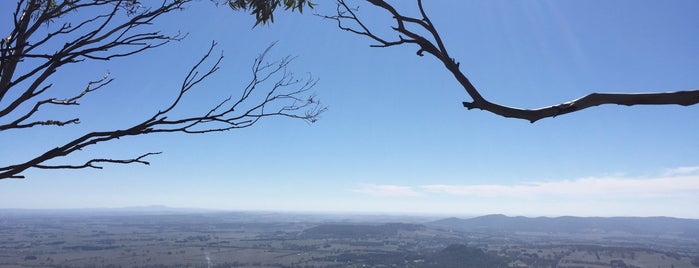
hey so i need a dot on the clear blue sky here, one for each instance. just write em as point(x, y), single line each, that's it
point(395, 138)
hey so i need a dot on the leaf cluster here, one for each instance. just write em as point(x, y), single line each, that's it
point(264, 9)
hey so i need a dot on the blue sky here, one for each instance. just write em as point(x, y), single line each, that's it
point(395, 138)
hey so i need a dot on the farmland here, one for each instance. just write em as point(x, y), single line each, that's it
point(257, 239)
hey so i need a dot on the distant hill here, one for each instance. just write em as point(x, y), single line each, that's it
point(140, 210)
point(568, 224)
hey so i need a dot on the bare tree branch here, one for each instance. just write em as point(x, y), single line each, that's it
point(91, 163)
point(18, 123)
point(108, 38)
point(432, 43)
point(116, 31)
point(279, 100)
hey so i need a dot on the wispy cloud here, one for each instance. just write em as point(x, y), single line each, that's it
point(682, 171)
point(387, 190)
point(674, 183)
point(603, 186)
point(674, 192)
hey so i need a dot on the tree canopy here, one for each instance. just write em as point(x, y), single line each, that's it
point(264, 9)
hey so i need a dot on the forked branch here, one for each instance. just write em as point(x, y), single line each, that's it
point(115, 30)
point(46, 35)
point(273, 91)
point(407, 28)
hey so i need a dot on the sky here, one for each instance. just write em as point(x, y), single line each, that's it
point(395, 138)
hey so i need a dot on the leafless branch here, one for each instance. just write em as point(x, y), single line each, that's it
point(272, 91)
point(432, 43)
point(108, 35)
point(19, 122)
point(286, 96)
point(91, 163)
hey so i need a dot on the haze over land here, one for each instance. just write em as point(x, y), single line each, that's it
point(157, 236)
point(395, 174)
point(396, 138)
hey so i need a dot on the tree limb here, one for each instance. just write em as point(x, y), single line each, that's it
point(433, 44)
point(110, 37)
point(246, 111)
point(91, 163)
point(272, 91)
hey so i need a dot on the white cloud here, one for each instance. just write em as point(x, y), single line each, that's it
point(387, 190)
point(677, 182)
point(670, 194)
point(585, 187)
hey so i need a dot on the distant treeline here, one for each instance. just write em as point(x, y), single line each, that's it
point(359, 230)
point(89, 247)
point(453, 256)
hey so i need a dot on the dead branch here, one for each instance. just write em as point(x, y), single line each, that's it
point(432, 43)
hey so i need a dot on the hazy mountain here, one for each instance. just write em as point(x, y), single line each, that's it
point(140, 210)
point(568, 224)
